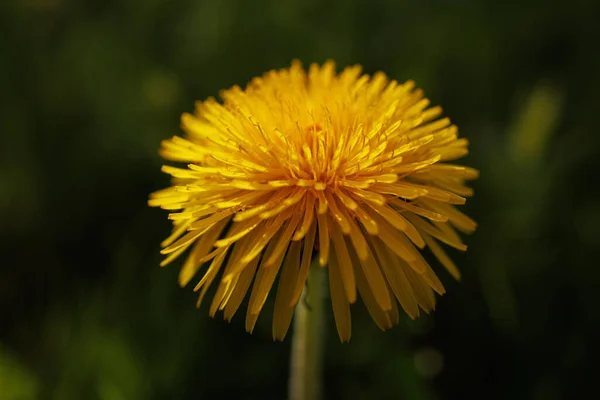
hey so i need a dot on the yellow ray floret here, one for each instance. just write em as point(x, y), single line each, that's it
point(346, 169)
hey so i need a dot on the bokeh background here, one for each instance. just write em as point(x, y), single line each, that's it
point(89, 88)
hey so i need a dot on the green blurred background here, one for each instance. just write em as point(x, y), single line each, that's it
point(89, 88)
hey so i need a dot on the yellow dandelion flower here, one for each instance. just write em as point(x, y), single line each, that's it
point(349, 167)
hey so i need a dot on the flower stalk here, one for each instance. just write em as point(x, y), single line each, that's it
point(306, 365)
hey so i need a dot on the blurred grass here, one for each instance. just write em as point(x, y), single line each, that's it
point(91, 87)
point(16, 381)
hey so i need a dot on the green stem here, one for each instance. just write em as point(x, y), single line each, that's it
point(307, 342)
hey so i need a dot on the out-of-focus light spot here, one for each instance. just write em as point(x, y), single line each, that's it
point(535, 124)
point(160, 89)
point(429, 362)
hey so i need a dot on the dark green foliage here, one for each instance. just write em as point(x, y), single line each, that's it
point(89, 88)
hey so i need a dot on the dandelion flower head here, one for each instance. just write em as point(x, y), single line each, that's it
point(348, 169)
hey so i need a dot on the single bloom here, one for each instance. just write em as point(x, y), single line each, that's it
point(347, 168)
